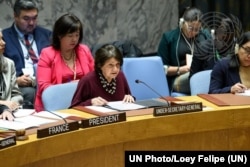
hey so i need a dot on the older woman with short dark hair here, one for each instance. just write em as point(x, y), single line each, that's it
point(106, 83)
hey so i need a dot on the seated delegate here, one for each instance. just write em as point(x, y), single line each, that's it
point(231, 75)
point(10, 95)
point(67, 60)
point(106, 83)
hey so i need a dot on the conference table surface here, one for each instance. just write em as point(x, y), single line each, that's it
point(214, 128)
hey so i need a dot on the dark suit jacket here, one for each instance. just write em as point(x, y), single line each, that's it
point(2, 108)
point(13, 48)
point(223, 77)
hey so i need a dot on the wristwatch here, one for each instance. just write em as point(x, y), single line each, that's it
point(178, 71)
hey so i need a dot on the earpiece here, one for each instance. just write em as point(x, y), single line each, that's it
point(236, 48)
point(212, 34)
point(181, 22)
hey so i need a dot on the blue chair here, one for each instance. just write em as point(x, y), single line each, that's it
point(199, 82)
point(148, 70)
point(59, 96)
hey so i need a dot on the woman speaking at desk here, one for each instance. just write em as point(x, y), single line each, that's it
point(231, 75)
point(106, 83)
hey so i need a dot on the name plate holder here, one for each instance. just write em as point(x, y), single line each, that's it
point(178, 108)
point(7, 142)
point(58, 129)
point(103, 120)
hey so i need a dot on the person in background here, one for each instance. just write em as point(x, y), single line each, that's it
point(10, 96)
point(24, 42)
point(106, 83)
point(231, 74)
point(66, 60)
point(178, 44)
point(220, 45)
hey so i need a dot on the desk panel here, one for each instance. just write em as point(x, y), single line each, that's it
point(218, 129)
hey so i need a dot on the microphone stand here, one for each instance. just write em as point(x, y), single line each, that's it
point(139, 81)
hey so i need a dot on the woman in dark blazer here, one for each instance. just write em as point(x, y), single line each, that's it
point(231, 75)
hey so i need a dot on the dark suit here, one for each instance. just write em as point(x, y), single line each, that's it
point(2, 108)
point(223, 77)
point(13, 50)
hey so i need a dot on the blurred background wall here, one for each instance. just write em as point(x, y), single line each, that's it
point(142, 21)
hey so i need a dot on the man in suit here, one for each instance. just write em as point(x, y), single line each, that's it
point(24, 42)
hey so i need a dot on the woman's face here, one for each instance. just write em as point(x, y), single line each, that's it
point(244, 54)
point(70, 40)
point(191, 29)
point(110, 69)
point(2, 44)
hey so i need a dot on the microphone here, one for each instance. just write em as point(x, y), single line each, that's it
point(59, 116)
point(57, 129)
point(139, 81)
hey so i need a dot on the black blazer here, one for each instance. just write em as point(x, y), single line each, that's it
point(2, 108)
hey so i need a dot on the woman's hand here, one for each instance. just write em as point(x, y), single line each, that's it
point(128, 99)
point(7, 115)
point(98, 101)
point(11, 105)
point(238, 88)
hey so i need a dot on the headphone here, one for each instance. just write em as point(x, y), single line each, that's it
point(236, 47)
point(213, 34)
point(181, 22)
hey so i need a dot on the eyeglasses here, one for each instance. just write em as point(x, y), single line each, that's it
point(246, 51)
point(192, 29)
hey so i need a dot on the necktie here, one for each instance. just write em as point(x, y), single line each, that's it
point(31, 52)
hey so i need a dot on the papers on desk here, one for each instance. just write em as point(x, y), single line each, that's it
point(23, 112)
point(246, 93)
point(122, 106)
point(116, 106)
point(100, 109)
point(25, 122)
point(28, 118)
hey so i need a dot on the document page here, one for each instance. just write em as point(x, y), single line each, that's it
point(120, 105)
point(100, 109)
point(246, 93)
point(189, 59)
point(48, 114)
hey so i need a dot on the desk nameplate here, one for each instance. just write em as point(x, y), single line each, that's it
point(102, 120)
point(178, 109)
point(7, 142)
point(58, 129)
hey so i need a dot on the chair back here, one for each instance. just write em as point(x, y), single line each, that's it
point(59, 96)
point(148, 70)
point(199, 82)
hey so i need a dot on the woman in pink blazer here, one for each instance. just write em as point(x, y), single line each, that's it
point(66, 60)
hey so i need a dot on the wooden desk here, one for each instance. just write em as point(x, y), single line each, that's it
point(224, 128)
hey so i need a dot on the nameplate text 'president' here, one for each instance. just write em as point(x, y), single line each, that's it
point(178, 109)
point(7, 142)
point(102, 120)
point(58, 129)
